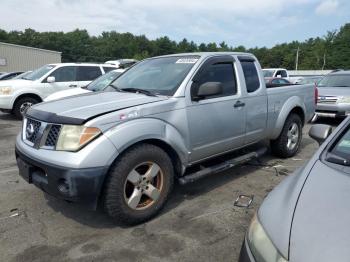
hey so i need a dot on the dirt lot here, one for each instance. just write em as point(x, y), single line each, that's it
point(200, 223)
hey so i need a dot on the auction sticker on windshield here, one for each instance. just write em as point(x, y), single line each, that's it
point(187, 61)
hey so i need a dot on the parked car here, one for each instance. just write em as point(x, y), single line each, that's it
point(122, 63)
point(276, 81)
point(11, 75)
point(305, 218)
point(99, 84)
point(167, 114)
point(334, 95)
point(309, 80)
point(16, 95)
point(23, 75)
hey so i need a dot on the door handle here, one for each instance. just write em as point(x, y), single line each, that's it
point(73, 86)
point(239, 104)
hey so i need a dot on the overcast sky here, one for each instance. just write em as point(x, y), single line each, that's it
point(237, 22)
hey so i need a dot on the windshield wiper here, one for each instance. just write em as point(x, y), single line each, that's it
point(337, 160)
point(115, 87)
point(138, 90)
point(341, 86)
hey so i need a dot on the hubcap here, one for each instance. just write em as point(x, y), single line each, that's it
point(143, 185)
point(293, 136)
point(24, 106)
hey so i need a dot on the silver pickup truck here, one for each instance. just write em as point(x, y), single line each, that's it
point(159, 121)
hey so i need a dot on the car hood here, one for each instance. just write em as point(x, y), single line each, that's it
point(15, 82)
point(66, 93)
point(333, 91)
point(320, 225)
point(79, 109)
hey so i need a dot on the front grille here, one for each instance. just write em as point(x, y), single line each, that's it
point(52, 136)
point(41, 134)
point(327, 99)
point(32, 130)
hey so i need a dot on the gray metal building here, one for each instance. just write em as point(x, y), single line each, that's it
point(24, 58)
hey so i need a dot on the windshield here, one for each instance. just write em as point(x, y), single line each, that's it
point(103, 81)
point(38, 73)
point(268, 73)
point(161, 75)
point(341, 80)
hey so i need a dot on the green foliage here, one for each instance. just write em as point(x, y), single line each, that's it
point(328, 52)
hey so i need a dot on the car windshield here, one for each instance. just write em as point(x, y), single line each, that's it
point(268, 73)
point(103, 81)
point(161, 75)
point(38, 73)
point(338, 80)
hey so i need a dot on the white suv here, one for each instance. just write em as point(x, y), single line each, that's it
point(16, 95)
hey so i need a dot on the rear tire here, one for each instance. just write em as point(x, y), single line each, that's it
point(138, 184)
point(22, 104)
point(288, 142)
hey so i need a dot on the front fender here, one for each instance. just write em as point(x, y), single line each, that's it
point(288, 106)
point(131, 132)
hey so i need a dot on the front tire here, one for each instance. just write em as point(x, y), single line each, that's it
point(138, 184)
point(288, 142)
point(22, 104)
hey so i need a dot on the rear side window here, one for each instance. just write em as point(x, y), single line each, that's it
point(251, 76)
point(64, 74)
point(223, 73)
point(88, 73)
point(108, 69)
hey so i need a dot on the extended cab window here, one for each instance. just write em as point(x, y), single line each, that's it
point(88, 73)
point(64, 74)
point(220, 72)
point(251, 76)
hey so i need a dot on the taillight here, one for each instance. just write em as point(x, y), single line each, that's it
point(316, 94)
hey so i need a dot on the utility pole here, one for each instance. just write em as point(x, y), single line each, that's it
point(297, 59)
point(324, 60)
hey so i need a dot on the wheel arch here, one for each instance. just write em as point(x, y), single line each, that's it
point(293, 105)
point(32, 95)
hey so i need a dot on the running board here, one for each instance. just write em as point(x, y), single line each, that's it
point(222, 166)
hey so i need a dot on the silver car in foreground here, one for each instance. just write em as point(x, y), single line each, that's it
point(306, 217)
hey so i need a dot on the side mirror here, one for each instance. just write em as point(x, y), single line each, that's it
point(51, 79)
point(320, 132)
point(208, 89)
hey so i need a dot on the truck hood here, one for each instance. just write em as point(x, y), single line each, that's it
point(66, 93)
point(320, 225)
point(79, 109)
point(334, 91)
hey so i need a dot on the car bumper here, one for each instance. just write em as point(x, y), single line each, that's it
point(245, 254)
point(6, 102)
point(82, 186)
point(332, 110)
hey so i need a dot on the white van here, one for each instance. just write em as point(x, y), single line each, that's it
point(16, 95)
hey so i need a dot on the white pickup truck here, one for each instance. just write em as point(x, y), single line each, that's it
point(16, 95)
point(281, 73)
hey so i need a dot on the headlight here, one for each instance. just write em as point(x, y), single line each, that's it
point(344, 99)
point(5, 90)
point(72, 138)
point(260, 245)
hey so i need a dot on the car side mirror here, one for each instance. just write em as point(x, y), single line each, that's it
point(320, 132)
point(51, 79)
point(208, 89)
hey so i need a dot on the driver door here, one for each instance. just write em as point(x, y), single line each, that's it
point(65, 78)
point(216, 123)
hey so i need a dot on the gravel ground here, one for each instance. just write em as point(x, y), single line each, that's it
point(199, 223)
